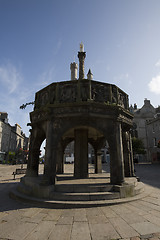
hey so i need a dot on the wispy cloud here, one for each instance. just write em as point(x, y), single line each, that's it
point(108, 68)
point(124, 76)
point(157, 63)
point(10, 78)
point(121, 43)
point(47, 77)
point(123, 80)
point(154, 85)
point(57, 47)
point(11, 103)
point(14, 93)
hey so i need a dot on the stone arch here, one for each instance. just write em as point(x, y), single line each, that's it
point(37, 136)
point(91, 134)
point(59, 132)
point(60, 155)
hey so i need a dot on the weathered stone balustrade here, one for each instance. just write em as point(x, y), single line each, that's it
point(81, 91)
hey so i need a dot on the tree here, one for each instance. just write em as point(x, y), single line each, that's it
point(26, 104)
point(138, 146)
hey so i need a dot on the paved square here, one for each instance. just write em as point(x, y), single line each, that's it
point(134, 220)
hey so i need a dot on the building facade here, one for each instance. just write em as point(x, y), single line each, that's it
point(145, 120)
point(12, 140)
point(153, 131)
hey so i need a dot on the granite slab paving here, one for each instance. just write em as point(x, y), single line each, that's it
point(80, 230)
point(135, 220)
point(41, 231)
point(103, 231)
point(62, 232)
point(145, 227)
point(80, 215)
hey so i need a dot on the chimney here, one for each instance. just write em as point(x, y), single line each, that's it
point(74, 68)
point(146, 101)
point(135, 106)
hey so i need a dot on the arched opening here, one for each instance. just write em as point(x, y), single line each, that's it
point(42, 157)
point(69, 158)
point(36, 140)
point(87, 142)
point(106, 157)
point(83, 150)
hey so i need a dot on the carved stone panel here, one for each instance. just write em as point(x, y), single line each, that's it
point(100, 93)
point(67, 93)
point(42, 98)
point(52, 94)
point(114, 94)
point(122, 99)
point(85, 92)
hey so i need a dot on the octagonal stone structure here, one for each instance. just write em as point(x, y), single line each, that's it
point(85, 111)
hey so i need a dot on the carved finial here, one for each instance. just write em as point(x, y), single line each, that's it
point(81, 47)
point(89, 75)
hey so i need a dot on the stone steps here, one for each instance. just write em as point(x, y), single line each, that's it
point(96, 196)
point(81, 191)
point(77, 192)
point(93, 191)
point(83, 188)
point(75, 203)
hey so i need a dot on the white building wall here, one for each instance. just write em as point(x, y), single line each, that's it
point(141, 116)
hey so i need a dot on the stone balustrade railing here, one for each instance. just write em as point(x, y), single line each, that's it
point(81, 91)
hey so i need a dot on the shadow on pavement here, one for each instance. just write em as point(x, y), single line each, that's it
point(6, 203)
point(149, 173)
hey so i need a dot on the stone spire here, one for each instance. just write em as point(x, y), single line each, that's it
point(81, 56)
point(89, 75)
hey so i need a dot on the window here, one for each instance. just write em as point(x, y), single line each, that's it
point(153, 128)
point(154, 142)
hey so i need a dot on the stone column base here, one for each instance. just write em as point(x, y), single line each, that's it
point(31, 186)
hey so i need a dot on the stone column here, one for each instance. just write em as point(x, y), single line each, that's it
point(116, 155)
point(81, 153)
point(33, 159)
point(81, 56)
point(98, 161)
point(126, 153)
point(50, 156)
point(131, 156)
point(60, 160)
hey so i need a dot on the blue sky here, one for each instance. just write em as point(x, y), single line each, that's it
point(40, 38)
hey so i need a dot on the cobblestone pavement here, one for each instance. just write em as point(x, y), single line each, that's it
point(135, 220)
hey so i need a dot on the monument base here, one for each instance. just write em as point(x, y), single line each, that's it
point(71, 189)
point(31, 186)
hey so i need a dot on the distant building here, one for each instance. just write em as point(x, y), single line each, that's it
point(12, 140)
point(5, 132)
point(153, 131)
point(141, 117)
